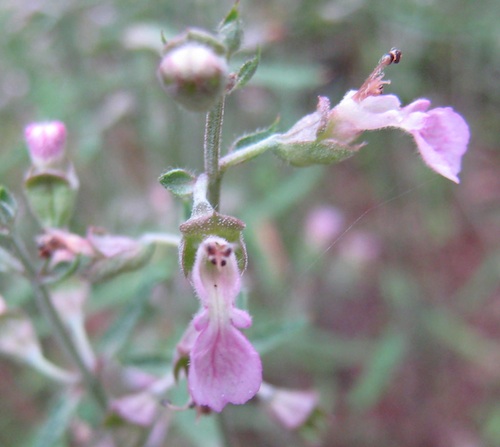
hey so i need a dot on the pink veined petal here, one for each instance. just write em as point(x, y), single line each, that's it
point(224, 368)
point(442, 141)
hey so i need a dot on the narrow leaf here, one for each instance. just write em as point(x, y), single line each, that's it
point(230, 30)
point(56, 425)
point(276, 334)
point(246, 72)
point(256, 136)
point(8, 206)
point(9, 263)
point(379, 370)
point(120, 331)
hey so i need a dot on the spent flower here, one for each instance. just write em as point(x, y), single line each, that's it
point(224, 366)
point(107, 255)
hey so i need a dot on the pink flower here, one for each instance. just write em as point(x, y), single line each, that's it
point(139, 408)
point(224, 366)
point(292, 408)
point(326, 136)
point(46, 143)
point(322, 226)
point(441, 134)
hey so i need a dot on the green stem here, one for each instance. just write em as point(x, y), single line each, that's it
point(161, 238)
point(47, 309)
point(213, 131)
point(41, 364)
point(247, 153)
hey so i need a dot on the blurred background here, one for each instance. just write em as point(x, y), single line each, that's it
point(375, 281)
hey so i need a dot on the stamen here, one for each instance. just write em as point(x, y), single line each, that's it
point(374, 85)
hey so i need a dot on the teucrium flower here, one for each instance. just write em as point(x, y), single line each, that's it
point(327, 135)
point(224, 366)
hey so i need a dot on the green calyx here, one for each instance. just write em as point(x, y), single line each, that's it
point(51, 197)
point(198, 228)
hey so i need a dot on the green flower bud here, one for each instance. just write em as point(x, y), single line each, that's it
point(194, 73)
point(51, 183)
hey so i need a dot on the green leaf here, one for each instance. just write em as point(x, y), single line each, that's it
point(379, 370)
point(181, 365)
point(276, 334)
point(56, 425)
point(8, 206)
point(120, 331)
point(491, 425)
point(206, 432)
point(9, 263)
point(230, 30)
point(259, 135)
point(246, 72)
point(178, 181)
point(280, 76)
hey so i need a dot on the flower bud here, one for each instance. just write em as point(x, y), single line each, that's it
point(46, 143)
point(194, 74)
point(51, 183)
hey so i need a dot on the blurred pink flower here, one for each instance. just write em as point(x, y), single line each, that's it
point(46, 143)
point(224, 366)
point(63, 246)
point(292, 408)
point(323, 224)
point(139, 408)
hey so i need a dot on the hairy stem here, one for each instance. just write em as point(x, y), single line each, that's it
point(48, 311)
point(213, 131)
point(247, 153)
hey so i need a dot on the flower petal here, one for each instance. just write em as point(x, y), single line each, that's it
point(224, 368)
point(351, 118)
point(240, 318)
point(442, 141)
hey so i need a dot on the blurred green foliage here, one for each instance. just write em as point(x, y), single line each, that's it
point(401, 308)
